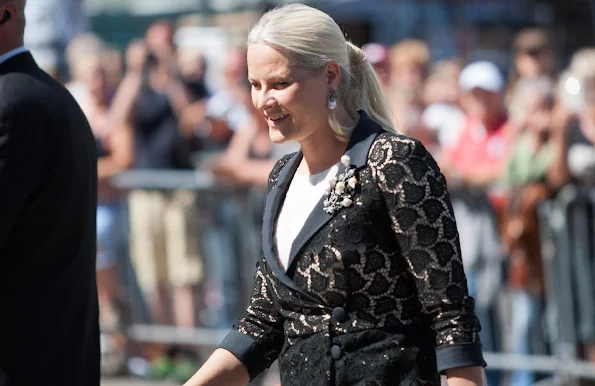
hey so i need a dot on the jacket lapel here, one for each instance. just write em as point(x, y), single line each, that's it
point(357, 149)
point(273, 204)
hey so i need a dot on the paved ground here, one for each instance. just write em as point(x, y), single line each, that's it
point(133, 382)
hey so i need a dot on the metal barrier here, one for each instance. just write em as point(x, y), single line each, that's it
point(568, 249)
point(240, 258)
point(567, 227)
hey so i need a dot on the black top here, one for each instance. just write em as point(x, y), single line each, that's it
point(158, 143)
point(49, 330)
point(156, 132)
point(374, 293)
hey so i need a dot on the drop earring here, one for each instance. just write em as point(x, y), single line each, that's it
point(332, 99)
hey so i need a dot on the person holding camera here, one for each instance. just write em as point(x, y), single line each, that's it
point(164, 251)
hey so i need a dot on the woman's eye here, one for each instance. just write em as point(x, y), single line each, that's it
point(281, 85)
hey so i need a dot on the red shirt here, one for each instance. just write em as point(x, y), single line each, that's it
point(476, 148)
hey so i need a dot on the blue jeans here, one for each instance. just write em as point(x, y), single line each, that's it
point(489, 333)
point(219, 243)
point(524, 310)
point(111, 234)
point(112, 250)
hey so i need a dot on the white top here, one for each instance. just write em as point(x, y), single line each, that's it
point(302, 196)
point(12, 53)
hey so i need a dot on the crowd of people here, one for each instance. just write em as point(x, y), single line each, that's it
point(504, 141)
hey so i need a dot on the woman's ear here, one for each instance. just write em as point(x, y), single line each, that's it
point(333, 74)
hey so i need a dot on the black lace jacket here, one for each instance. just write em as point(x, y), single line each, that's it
point(375, 293)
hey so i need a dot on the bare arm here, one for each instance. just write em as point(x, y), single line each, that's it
point(239, 145)
point(235, 164)
point(179, 96)
point(120, 157)
point(122, 106)
point(193, 115)
point(221, 369)
point(466, 376)
point(253, 172)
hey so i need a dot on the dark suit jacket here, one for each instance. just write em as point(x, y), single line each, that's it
point(49, 333)
point(374, 294)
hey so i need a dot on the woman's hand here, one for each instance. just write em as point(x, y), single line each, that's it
point(221, 369)
point(466, 376)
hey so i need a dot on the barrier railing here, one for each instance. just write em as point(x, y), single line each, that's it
point(217, 270)
point(567, 226)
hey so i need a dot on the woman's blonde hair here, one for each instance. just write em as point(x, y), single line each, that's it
point(311, 39)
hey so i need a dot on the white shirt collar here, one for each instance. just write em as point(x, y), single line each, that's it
point(12, 53)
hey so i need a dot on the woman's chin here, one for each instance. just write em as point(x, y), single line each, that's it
point(277, 136)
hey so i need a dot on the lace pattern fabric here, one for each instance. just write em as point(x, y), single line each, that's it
point(392, 263)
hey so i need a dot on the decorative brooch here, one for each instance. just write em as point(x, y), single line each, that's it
point(339, 192)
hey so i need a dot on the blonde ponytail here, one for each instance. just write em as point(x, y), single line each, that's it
point(365, 91)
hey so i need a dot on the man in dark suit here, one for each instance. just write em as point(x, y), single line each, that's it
point(49, 332)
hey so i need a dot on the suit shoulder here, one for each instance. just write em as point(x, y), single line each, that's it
point(400, 148)
point(17, 88)
point(276, 171)
point(21, 98)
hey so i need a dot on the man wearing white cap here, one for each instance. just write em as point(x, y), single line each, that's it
point(479, 153)
point(474, 164)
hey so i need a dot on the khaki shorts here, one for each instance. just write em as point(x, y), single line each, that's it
point(164, 238)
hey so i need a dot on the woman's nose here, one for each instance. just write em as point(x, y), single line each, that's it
point(264, 100)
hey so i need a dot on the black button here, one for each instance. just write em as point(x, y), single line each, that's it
point(339, 314)
point(336, 352)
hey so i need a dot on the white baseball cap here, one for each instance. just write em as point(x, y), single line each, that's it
point(482, 74)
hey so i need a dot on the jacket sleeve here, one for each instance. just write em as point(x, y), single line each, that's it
point(257, 337)
point(423, 222)
point(21, 138)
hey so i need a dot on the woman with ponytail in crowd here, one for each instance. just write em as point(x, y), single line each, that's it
point(361, 280)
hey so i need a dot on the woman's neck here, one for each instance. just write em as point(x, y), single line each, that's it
point(323, 149)
point(319, 155)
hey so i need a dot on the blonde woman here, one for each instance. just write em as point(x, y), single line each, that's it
point(361, 279)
